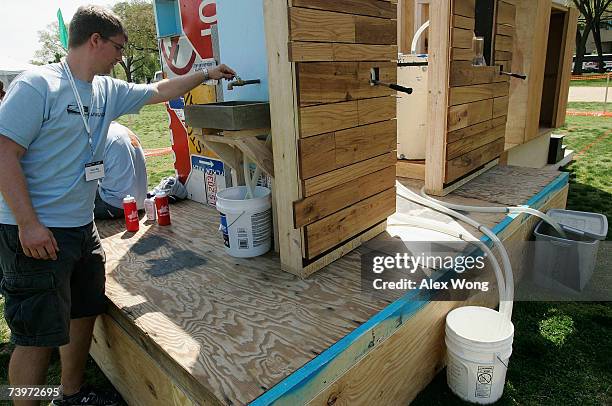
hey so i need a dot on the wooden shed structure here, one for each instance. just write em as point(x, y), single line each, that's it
point(476, 114)
point(190, 325)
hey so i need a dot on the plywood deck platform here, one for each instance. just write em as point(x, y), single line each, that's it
point(190, 325)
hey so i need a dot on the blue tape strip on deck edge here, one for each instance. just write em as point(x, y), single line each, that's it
point(402, 307)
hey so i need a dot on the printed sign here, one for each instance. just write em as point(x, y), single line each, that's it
point(207, 165)
point(178, 56)
point(198, 16)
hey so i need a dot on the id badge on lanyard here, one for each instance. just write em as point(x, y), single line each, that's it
point(93, 170)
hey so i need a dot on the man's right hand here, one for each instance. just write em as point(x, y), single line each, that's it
point(221, 72)
point(38, 242)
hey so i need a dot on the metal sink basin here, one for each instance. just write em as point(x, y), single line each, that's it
point(230, 115)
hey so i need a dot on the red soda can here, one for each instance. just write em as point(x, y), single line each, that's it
point(131, 214)
point(162, 208)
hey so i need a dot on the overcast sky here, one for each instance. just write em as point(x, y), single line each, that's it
point(20, 20)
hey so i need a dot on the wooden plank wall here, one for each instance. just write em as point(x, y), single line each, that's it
point(478, 96)
point(531, 38)
point(569, 44)
point(347, 128)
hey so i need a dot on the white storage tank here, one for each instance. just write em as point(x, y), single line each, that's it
point(412, 109)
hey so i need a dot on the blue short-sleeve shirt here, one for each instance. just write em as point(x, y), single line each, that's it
point(40, 113)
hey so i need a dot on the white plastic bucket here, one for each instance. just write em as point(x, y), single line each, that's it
point(246, 224)
point(479, 345)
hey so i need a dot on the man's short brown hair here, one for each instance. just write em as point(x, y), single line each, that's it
point(91, 19)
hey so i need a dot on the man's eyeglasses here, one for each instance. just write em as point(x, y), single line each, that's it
point(118, 47)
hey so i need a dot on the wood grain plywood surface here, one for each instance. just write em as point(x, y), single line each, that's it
point(218, 320)
point(220, 317)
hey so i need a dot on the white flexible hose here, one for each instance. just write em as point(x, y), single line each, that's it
point(505, 307)
point(417, 35)
point(467, 237)
point(494, 209)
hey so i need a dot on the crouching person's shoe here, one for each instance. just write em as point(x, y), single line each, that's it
point(90, 396)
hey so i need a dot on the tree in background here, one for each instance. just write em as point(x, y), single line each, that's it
point(141, 58)
point(51, 49)
point(591, 11)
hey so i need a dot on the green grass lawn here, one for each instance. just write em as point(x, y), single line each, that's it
point(562, 351)
point(591, 171)
point(159, 167)
point(590, 83)
point(590, 106)
point(150, 125)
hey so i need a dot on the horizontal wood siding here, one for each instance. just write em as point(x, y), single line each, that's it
point(347, 128)
point(478, 95)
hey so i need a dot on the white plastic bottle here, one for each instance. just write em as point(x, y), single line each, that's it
point(149, 205)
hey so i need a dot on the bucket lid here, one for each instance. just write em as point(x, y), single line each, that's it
point(129, 199)
point(592, 225)
point(479, 325)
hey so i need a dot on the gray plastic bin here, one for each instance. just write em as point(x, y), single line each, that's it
point(562, 263)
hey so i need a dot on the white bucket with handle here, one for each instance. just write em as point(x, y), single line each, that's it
point(246, 224)
point(479, 345)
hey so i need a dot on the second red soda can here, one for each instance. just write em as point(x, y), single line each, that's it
point(163, 209)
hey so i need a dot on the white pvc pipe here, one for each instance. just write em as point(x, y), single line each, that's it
point(498, 209)
point(467, 237)
point(417, 35)
point(505, 307)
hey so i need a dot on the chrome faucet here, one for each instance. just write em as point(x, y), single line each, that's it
point(240, 82)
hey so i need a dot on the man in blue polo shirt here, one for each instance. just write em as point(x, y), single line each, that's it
point(53, 125)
